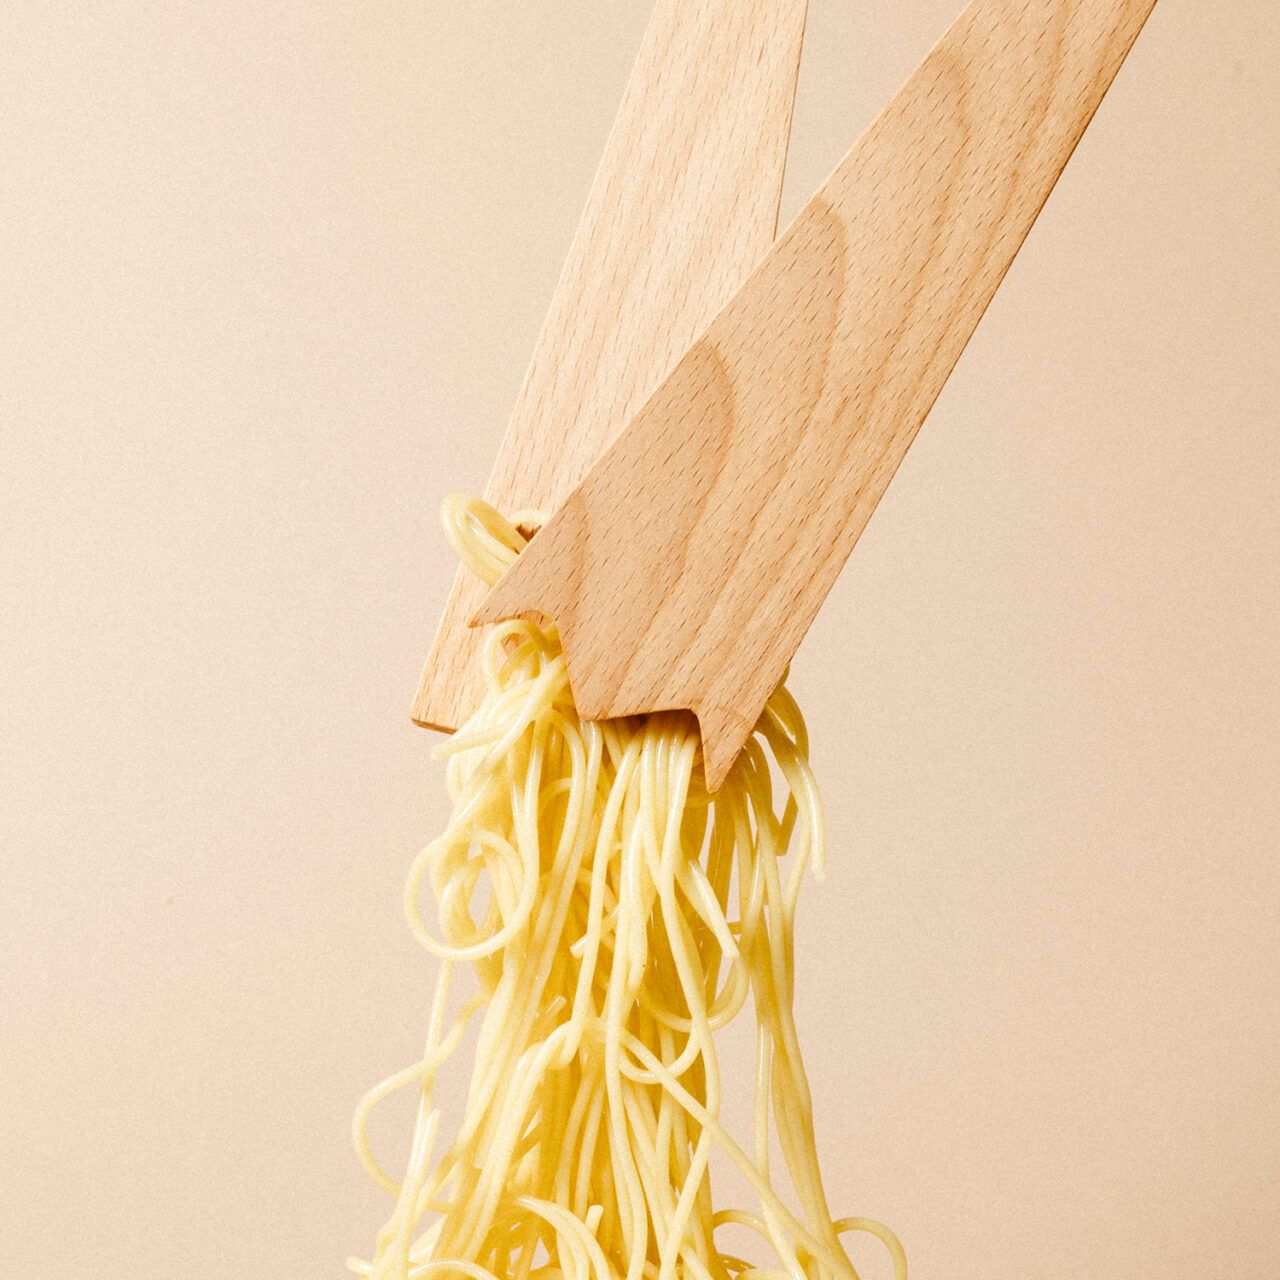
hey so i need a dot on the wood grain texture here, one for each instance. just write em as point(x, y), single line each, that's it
point(684, 205)
point(686, 568)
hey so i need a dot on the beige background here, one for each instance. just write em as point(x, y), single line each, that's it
point(270, 273)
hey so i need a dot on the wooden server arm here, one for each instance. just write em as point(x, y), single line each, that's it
point(687, 566)
point(684, 205)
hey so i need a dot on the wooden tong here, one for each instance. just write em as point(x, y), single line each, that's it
point(685, 567)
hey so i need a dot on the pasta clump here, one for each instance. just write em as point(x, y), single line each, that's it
point(615, 916)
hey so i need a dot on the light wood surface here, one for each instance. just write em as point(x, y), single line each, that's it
point(686, 568)
point(684, 205)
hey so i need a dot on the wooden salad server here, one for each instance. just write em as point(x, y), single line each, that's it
point(685, 568)
point(684, 204)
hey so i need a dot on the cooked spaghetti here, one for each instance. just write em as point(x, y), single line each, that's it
point(615, 916)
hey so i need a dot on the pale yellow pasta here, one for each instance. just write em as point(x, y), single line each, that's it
point(615, 916)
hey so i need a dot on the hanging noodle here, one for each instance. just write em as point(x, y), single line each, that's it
point(625, 916)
